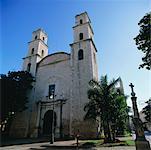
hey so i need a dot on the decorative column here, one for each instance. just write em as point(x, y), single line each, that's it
point(140, 142)
point(38, 118)
point(62, 102)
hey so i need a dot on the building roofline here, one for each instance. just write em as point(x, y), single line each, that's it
point(40, 29)
point(82, 14)
point(40, 40)
point(31, 56)
point(85, 40)
point(52, 55)
point(83, 24)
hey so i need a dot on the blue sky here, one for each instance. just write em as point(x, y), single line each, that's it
point(114, 23)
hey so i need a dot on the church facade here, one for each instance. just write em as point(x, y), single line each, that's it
point(59, 93)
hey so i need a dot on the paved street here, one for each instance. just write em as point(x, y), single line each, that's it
point(60, 145)
point(66, 145)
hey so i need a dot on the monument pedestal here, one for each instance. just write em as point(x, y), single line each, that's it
point(142, 145)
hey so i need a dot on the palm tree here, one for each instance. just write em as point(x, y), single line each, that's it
point(102, 104)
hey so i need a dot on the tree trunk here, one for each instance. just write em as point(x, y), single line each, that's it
point(107, 133)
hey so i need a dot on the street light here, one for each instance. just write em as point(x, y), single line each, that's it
point(52, 129)
point(52, 97)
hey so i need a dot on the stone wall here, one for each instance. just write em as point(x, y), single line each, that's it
point(20, 125)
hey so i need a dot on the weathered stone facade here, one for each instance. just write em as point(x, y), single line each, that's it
point(70, 74)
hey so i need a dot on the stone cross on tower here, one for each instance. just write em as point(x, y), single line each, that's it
point(135, 109)
point(133, 93)
point(140, 142)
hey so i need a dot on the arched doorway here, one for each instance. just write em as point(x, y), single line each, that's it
point(47, 123)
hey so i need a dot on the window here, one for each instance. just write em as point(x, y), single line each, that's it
point(80, 54)
point(43, 38)
point(81, 36)
point(28, 67)
point(42, 53)
point(32, 51)
point(51, 91)
point(35, 37)
point(81, 21)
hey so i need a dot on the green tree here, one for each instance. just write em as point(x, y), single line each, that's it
point(120, 114)
point(14, 87)
point(147, 111)
point(143, 40)
point(108, 104)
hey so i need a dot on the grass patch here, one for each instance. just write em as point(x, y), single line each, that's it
point(100, 143)
point(91, 142)
point(130, 142)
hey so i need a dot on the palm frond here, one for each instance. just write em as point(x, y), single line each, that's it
point(91, 110)
point(94, 84)
point(104, 80)
point(113, 83)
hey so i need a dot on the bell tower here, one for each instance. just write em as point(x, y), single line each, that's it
point(37, 50)
point(83, 49)
point(84, 68)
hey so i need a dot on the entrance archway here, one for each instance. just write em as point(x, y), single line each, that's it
point(47, 123)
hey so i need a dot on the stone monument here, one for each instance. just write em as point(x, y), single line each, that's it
point(140, 142)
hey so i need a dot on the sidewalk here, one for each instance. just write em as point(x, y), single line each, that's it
point(64, 145)
point(46, 141)
point(13, 141)
point(61, 145)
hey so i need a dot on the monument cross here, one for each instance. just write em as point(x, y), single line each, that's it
point(140, 142)
point(132, 86)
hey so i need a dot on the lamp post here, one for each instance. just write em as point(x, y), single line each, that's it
point(52, 127)
point(140, 142)
point(52, 97)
